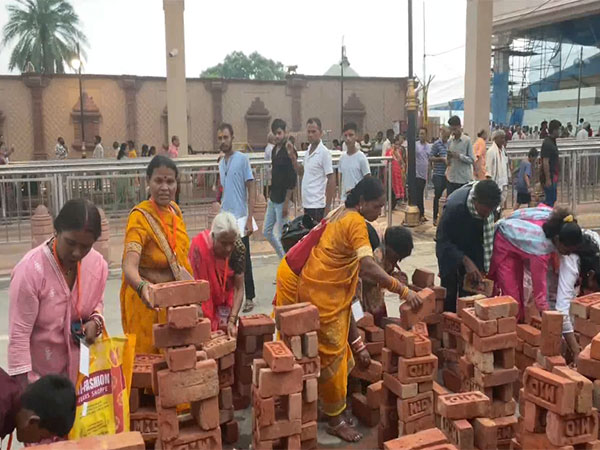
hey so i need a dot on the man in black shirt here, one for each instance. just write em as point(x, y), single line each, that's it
point(550, 163)
point(283, 181)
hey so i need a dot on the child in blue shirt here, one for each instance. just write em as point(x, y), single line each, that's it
point(523, 184)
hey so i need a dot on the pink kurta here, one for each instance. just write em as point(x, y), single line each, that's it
point(41, 310)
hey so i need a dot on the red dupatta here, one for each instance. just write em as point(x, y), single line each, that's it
point(216, 271)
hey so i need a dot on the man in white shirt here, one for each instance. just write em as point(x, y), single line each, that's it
point(318, 180)
point(583, 134)
point(353, 165)
point(496, 161)
point(98, 149)
point(269, 147)
point(389, 134)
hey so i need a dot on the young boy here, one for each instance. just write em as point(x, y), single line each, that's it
point(44, 410)
point(524, 185)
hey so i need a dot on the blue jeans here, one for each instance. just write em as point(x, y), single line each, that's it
point(274, 216)
point(550, 194)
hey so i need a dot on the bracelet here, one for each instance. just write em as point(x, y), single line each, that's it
point(140, 286)
point(404, 293)
point(233, 319)
point(359, 349)
point(99, 324)
point(355, 340)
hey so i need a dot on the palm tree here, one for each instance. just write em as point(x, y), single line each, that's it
point(46, 34)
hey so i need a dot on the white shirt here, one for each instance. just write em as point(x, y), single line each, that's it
point(582, 135)
point(353, 168)
point(386, 145)
point(496, 162)
point(268, 151)
point(98, 151)
point(317, 165)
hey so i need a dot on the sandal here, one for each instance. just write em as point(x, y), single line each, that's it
point(336, 431)
point(248, 306)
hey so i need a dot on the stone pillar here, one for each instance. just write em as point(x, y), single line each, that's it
point(477, 65)
point(130, 86)
point(102, 245)
point(42, 227)
point(216, 89)
point(176, 87)
point(294, 89)
point(36, 83)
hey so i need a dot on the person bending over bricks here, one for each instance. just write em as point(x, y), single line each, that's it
point(44, 410)
point(465, 237)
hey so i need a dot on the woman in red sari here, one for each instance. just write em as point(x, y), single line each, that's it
point(397, 169)
point(218, 256)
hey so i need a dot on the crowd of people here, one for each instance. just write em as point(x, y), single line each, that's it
point(120, 150)
point(57, 290)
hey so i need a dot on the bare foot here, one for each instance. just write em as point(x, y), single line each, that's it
point(339, 427)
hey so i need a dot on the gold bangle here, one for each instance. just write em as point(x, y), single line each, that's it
point(404, 293)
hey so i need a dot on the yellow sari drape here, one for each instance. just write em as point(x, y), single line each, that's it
point(136, 318)
point(328, 280)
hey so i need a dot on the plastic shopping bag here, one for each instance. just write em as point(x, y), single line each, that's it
point(103, 395)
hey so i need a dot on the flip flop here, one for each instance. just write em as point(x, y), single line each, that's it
point(335, 431)
point(248, 306)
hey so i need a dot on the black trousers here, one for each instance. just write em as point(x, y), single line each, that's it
point(248, 277)
point(454, 288)
point(439, 186)
point(316, 213)
point(420, 192)
point(454, 186)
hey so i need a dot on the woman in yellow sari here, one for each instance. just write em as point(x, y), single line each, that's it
point(328, 280)
point(156, 251)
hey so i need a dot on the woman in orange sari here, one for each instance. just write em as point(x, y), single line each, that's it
point(328, 280)
point(156, 251)
point(398, 169)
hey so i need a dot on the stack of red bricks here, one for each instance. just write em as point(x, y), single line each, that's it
point(431, 439)
point(189, 377)
point(489, 331)
point(421, 279)
point(142, 406)
point(372, 336)
point(277, 399)
point(529, 337)
point(556, 411)
point(221, 348)
point(298, 325)
point(588, 364)
point(453, 349)
point(586, 317)
point(253, 331)
point(409, 369)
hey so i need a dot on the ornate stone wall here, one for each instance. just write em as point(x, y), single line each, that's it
point(133, 107)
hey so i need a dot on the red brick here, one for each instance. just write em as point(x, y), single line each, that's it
point(595, 313)
point(226, 378)
point(255, 325)
point(134, 400)
point(279, 429)
point(400, 341)
point(230, 432)
point(157, 366)
point(413, 408)
point(507, 325)
point(219, 347)
point(408, 317)
point(263, 409)
point(249, 344)
point(164, 336)
point(549, 391)
point(142, 370)
point(311, 390)
point(294, 343)
point(400, 390)
point(586, 365)
point(530, 351)
point(195, 438)
point(181, 358)
point(467, 302)
point(226, 361)
point(420, 328)
point(496, 307)
point(439, 304)
point(484, 287)
point(168, 423)
point(310, 344)
point(371, 374)
point(426, 439)
point(414, 426)
point(534, 419)
point(452, 380)
point(572, 429)
point(309, 411)
point(451, 323)
point(459, 432)
point(385, 321)
point(595, 348)
point(279, 383)
point(226, 415)
point(465, 405)
point(485, 433)
point(179, 293)
point(496, 342)
point(298, 321)
point(191, 385)
point(145, 420)
point(440, 292)
point(552, 322)
point(367, 320)
point(580, 306)
point(417, 370)
point(423, 278)
point(374, 348)
point(374, 334)
point(311, 367)
point(374, 394)
point(535, 321)
point(206, 413)
point(309, 431)
point(182, 316)
point(278, 356)
point(529, 334)
point(422, 346)
point(480, 327)
point(226, 398)
point(550, 362)
point(585, 388)
point(367, 416)
point(284, 308)
point(131, 440)
point(497, 378)
point(466, 333)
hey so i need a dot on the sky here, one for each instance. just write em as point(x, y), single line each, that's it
point(127, 36)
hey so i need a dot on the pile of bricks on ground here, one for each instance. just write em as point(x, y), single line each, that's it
point(409, 369)
point(588, 364)
point(142, 406)
point(585, 312)
point(190, 377)
point(253, 331)
point(431, 439)
point(298, 325)
point(556, 411)
point(221, 348)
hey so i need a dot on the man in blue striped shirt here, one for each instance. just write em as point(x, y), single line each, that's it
point(439, 150)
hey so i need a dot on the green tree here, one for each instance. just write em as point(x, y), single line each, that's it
point(46, 34)
point(252, 67)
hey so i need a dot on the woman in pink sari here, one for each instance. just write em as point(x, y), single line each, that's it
point(397, 169)
point(218, 256)
point(56, 297)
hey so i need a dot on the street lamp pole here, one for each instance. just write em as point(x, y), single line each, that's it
point(411, 107)
point(83, 154)
point(343, 60)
